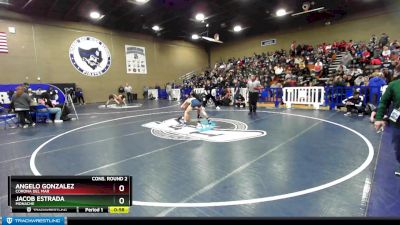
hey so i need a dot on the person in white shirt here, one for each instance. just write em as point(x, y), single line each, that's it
point(278, 70)
point(386, 52)
point(253, 87)
point(355, 72)
point(129, 93)
point(358, 81)
point(168, 89)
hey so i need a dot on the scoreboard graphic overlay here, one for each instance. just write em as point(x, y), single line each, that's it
point(70, 194)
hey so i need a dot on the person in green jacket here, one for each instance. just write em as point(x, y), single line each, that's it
point(392, 95)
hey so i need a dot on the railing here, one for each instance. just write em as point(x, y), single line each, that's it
point(271, 95)
point(304, 96)
point(187, 76)
point(316, 96)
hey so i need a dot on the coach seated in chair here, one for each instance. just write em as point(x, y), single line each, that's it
point(45, 100)
point(20, 104)
point(240, 101)
point(226, 97)
point(354, 104)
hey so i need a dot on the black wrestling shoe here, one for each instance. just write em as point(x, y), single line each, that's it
point(180, 120)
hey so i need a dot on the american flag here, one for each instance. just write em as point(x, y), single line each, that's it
point(3, 43)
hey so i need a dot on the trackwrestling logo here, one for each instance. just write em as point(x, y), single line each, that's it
point(172, 129)
point(33, 220)
point(90, 56)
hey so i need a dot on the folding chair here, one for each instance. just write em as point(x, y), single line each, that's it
point(42, 114)
point(6, 118)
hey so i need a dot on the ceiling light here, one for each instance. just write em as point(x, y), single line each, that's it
point(200, 17)
point(141, 1)
point(156, 28)
point(5, 2)
point(237, 28)
point(95, 15)
point(207, 25)
point(195, 36)
point(281, 12)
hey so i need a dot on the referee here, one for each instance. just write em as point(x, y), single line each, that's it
point(253, 86)
point(392, 95)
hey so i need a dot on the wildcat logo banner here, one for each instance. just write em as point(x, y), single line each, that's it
point(90, 56)
point(172, 129)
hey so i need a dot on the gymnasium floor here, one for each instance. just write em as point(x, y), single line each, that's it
point(309, 163)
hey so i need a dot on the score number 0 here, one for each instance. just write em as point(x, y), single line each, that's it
point(121, 200)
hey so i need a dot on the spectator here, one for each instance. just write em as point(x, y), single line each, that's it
point(240, 101)
point(226, 98)
point(341, 70)
point(387, 74)
point(376, 61)
point(129, 92)
point(278, 69)
point(52, 93)
point(354, 104)
point(121, 90)
point(359, 81)
point(293, 48)
point(373, 40)
point(168, 89)
point(236, 90)
point(396, 72)
point(208, 89)
point(386, 53)
point(347, 58)
point(375, 84)
point(318, 67)
point(79, 96)
point(383, 40)
point(46, 101)
point(145, 91)
point(354, 72)
point(20, 103)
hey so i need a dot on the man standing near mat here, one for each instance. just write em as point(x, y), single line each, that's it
point(129, 93)
point(208, 89)
point(392, 95)
point(253, 86)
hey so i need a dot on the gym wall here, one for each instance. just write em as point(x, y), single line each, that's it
point(41, 49)
point(355, 28)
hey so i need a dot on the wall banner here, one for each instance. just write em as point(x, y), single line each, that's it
point(135, 60)
point(268, 42)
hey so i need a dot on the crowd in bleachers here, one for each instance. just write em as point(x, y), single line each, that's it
point(307, 65)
